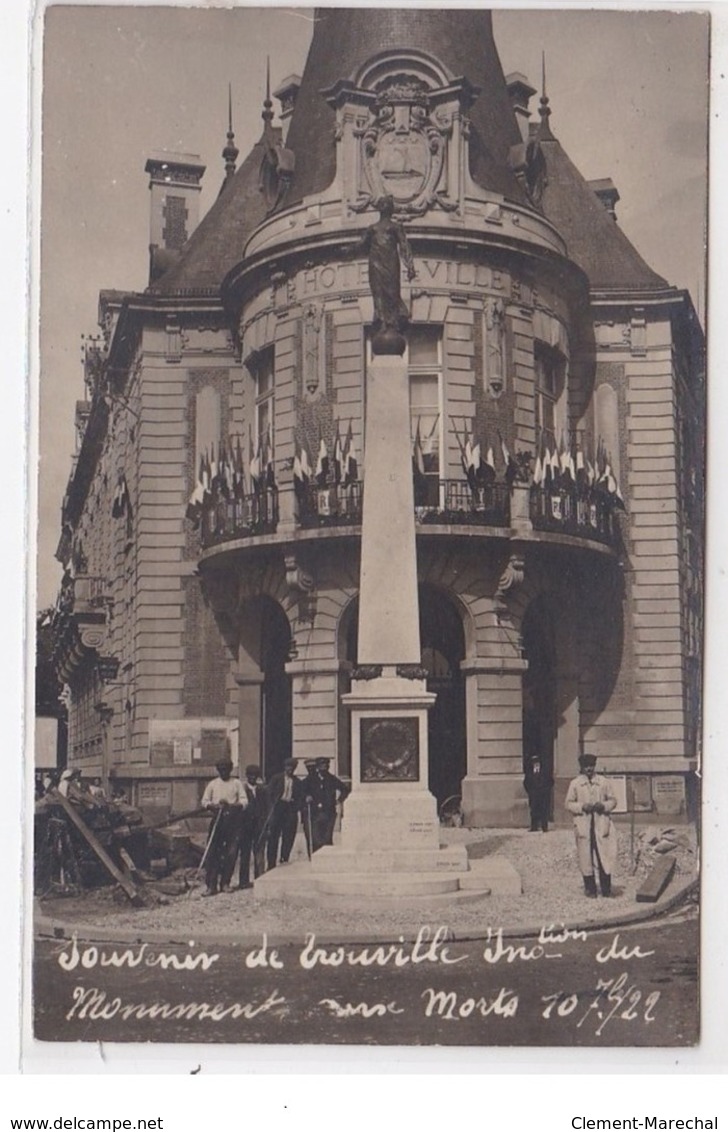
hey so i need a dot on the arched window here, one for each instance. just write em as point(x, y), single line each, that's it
point(550, 410)
point(606, 424)
point(207, 423)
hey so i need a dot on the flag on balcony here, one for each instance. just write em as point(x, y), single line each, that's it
point(301, 472)
point(222, 482)
point(547, 476)
point(607, 483)
point(511, 467)
point(430, 447)
point(238, 471)
point(581, 474)
point(338, 461)
point(538, 471)
point(254, 463)
point(121, 498)
point(351, 464)
point(269, 469)
point(555, 469)
point(418, 459)
point(487, 468)
point(306, 468)
point(197, 498)
point(567, 467)
point(321, 473)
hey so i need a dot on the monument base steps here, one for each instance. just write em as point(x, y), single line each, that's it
point(320, 880)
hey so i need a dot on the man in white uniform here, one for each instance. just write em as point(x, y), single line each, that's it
point(591, 799)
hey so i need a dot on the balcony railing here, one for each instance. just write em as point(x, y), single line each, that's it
point(335, 506)
point(225, 519)
point(455, 502)
point(567, 511)
point(588, 515)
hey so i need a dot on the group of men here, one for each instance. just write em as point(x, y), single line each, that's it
point(255, 823)
point(591, 799)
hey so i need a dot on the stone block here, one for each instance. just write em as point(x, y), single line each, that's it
point(389, 818)
point(495, 873)
point(494, 800)
point(336, 859)
point(389, 884)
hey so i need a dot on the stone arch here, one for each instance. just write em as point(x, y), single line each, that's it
point(419, 64)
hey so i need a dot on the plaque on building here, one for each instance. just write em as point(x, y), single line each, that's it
point(390, 749)
point(668, 791)
point(154, 794)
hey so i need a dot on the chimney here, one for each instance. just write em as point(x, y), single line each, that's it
point(606, 190)
point(520, 93)
point(174, 184)
point(286, 94)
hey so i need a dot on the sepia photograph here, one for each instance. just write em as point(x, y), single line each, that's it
point(369, 562)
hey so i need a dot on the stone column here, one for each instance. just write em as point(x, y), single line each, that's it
point(390, 805)
point(389, 628)
point(492, 791)
point(249, 680)
point(315, 692)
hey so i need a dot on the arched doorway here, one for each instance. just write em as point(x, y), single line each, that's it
point(539, 684)
point(276, 702)
point(442, 642)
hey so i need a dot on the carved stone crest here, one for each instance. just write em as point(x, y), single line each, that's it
point(403, 149)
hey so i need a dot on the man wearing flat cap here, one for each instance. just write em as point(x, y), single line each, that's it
point(285, 795)
point(322, 793)
point(253, 826)
point(591, 799)
point(224, 797)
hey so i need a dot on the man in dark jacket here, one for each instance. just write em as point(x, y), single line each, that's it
point(322, 792)
point(285, 796)
point(538, 783)
point(252, 832)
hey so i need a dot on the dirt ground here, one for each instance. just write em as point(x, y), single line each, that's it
point(552, 894)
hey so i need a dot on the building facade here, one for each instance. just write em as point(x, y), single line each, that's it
point(212, 521)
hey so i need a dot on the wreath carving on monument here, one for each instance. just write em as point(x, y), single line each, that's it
point(389, 750)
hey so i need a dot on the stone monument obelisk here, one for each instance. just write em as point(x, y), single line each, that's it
point(390, 813)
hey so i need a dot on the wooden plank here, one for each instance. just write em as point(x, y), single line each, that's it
point(657, 881)
point(93, 841)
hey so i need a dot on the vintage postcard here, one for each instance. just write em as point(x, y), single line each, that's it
point(371, 526)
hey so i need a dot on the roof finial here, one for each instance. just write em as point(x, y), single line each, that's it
point(267, 114)
point(230, 152)
point(544, 130)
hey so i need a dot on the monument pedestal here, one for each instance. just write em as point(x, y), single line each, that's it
point(389, 848)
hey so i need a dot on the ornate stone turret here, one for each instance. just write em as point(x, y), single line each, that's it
point(461, 40)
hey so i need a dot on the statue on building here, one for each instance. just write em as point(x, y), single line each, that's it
point(387, 246)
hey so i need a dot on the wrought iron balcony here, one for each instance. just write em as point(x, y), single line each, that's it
point(589, 515)
point(436, 501)
point(223, 519)
point(335, 506)
point(454, 502)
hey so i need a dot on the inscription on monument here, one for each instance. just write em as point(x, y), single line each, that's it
point(390, 749)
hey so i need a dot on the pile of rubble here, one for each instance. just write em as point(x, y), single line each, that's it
point(84, 840)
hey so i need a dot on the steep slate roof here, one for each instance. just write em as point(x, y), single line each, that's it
point(217, 243)
point(593, 238)
point(461, 39)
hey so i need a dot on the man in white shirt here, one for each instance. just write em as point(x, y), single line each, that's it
point(225, 797)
